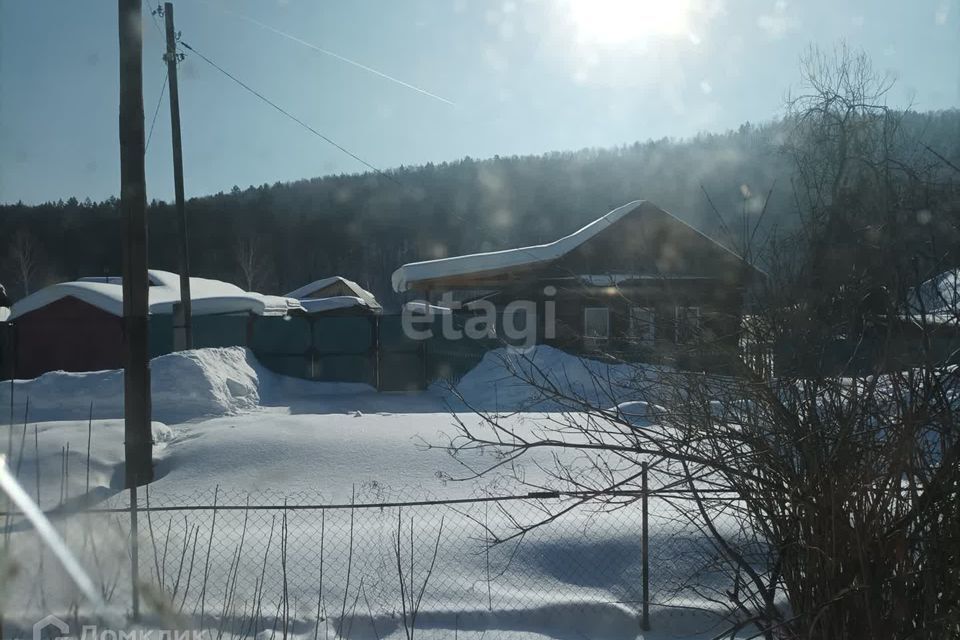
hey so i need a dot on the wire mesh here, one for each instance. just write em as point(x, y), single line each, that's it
point(239, 564)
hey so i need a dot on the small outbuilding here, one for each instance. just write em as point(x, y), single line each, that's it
point(78, 326)
point(336, 296)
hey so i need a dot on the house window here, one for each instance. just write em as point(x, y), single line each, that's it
point(642, 325)
point(596, 325)
point(687, 324)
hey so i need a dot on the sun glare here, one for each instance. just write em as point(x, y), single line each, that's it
point(617, 22)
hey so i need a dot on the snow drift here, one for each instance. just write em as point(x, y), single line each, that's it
point(227, 381)
point(546, 379)
point(184, 385)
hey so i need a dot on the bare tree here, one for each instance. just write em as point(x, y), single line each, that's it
point(830, 490)
point(25, 255)
point(254, 262)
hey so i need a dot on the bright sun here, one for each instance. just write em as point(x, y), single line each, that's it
point(616, 22)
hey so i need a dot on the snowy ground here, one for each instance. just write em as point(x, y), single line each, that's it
point(225, 422)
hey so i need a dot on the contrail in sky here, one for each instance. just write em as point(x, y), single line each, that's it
point(327, 52)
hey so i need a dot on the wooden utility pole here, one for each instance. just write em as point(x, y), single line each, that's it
point(184, 322)
point(133, 207)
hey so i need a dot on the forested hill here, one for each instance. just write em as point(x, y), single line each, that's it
point(276, 238)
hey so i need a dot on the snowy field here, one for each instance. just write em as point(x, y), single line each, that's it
point(227, 426)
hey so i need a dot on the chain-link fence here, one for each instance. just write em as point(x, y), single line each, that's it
point(240, 564)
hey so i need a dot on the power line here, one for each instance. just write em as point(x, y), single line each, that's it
point(155, 112)
point(328, 52)
point(153, 16)
point(288, 114)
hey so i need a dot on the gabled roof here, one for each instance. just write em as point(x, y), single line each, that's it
point(524, 258)
point(208, 296)
point(305, 292)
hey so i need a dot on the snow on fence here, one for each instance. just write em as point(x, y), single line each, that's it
point(240, 564)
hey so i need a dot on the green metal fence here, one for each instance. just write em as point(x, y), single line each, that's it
point(406, 363)
point(335, 349)
point(374, 350)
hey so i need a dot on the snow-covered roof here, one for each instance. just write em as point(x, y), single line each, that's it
point(208, 296)
point(321, 305)
point(495, 261)
point(317, 285)
point(938, 299)
point(304, 292)
point(940, 293)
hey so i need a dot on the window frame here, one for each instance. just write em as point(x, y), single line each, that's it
point(648, 336)
point(596, 340)
point(678, 324)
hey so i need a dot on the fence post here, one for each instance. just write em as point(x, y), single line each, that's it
point(423, 364)
point(134, 554)
point(12, 348)
point(375, 347)
point(312, 354)
point(645, 550)
point(180, 329)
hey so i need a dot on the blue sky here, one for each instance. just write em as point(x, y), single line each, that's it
point(523, 77)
